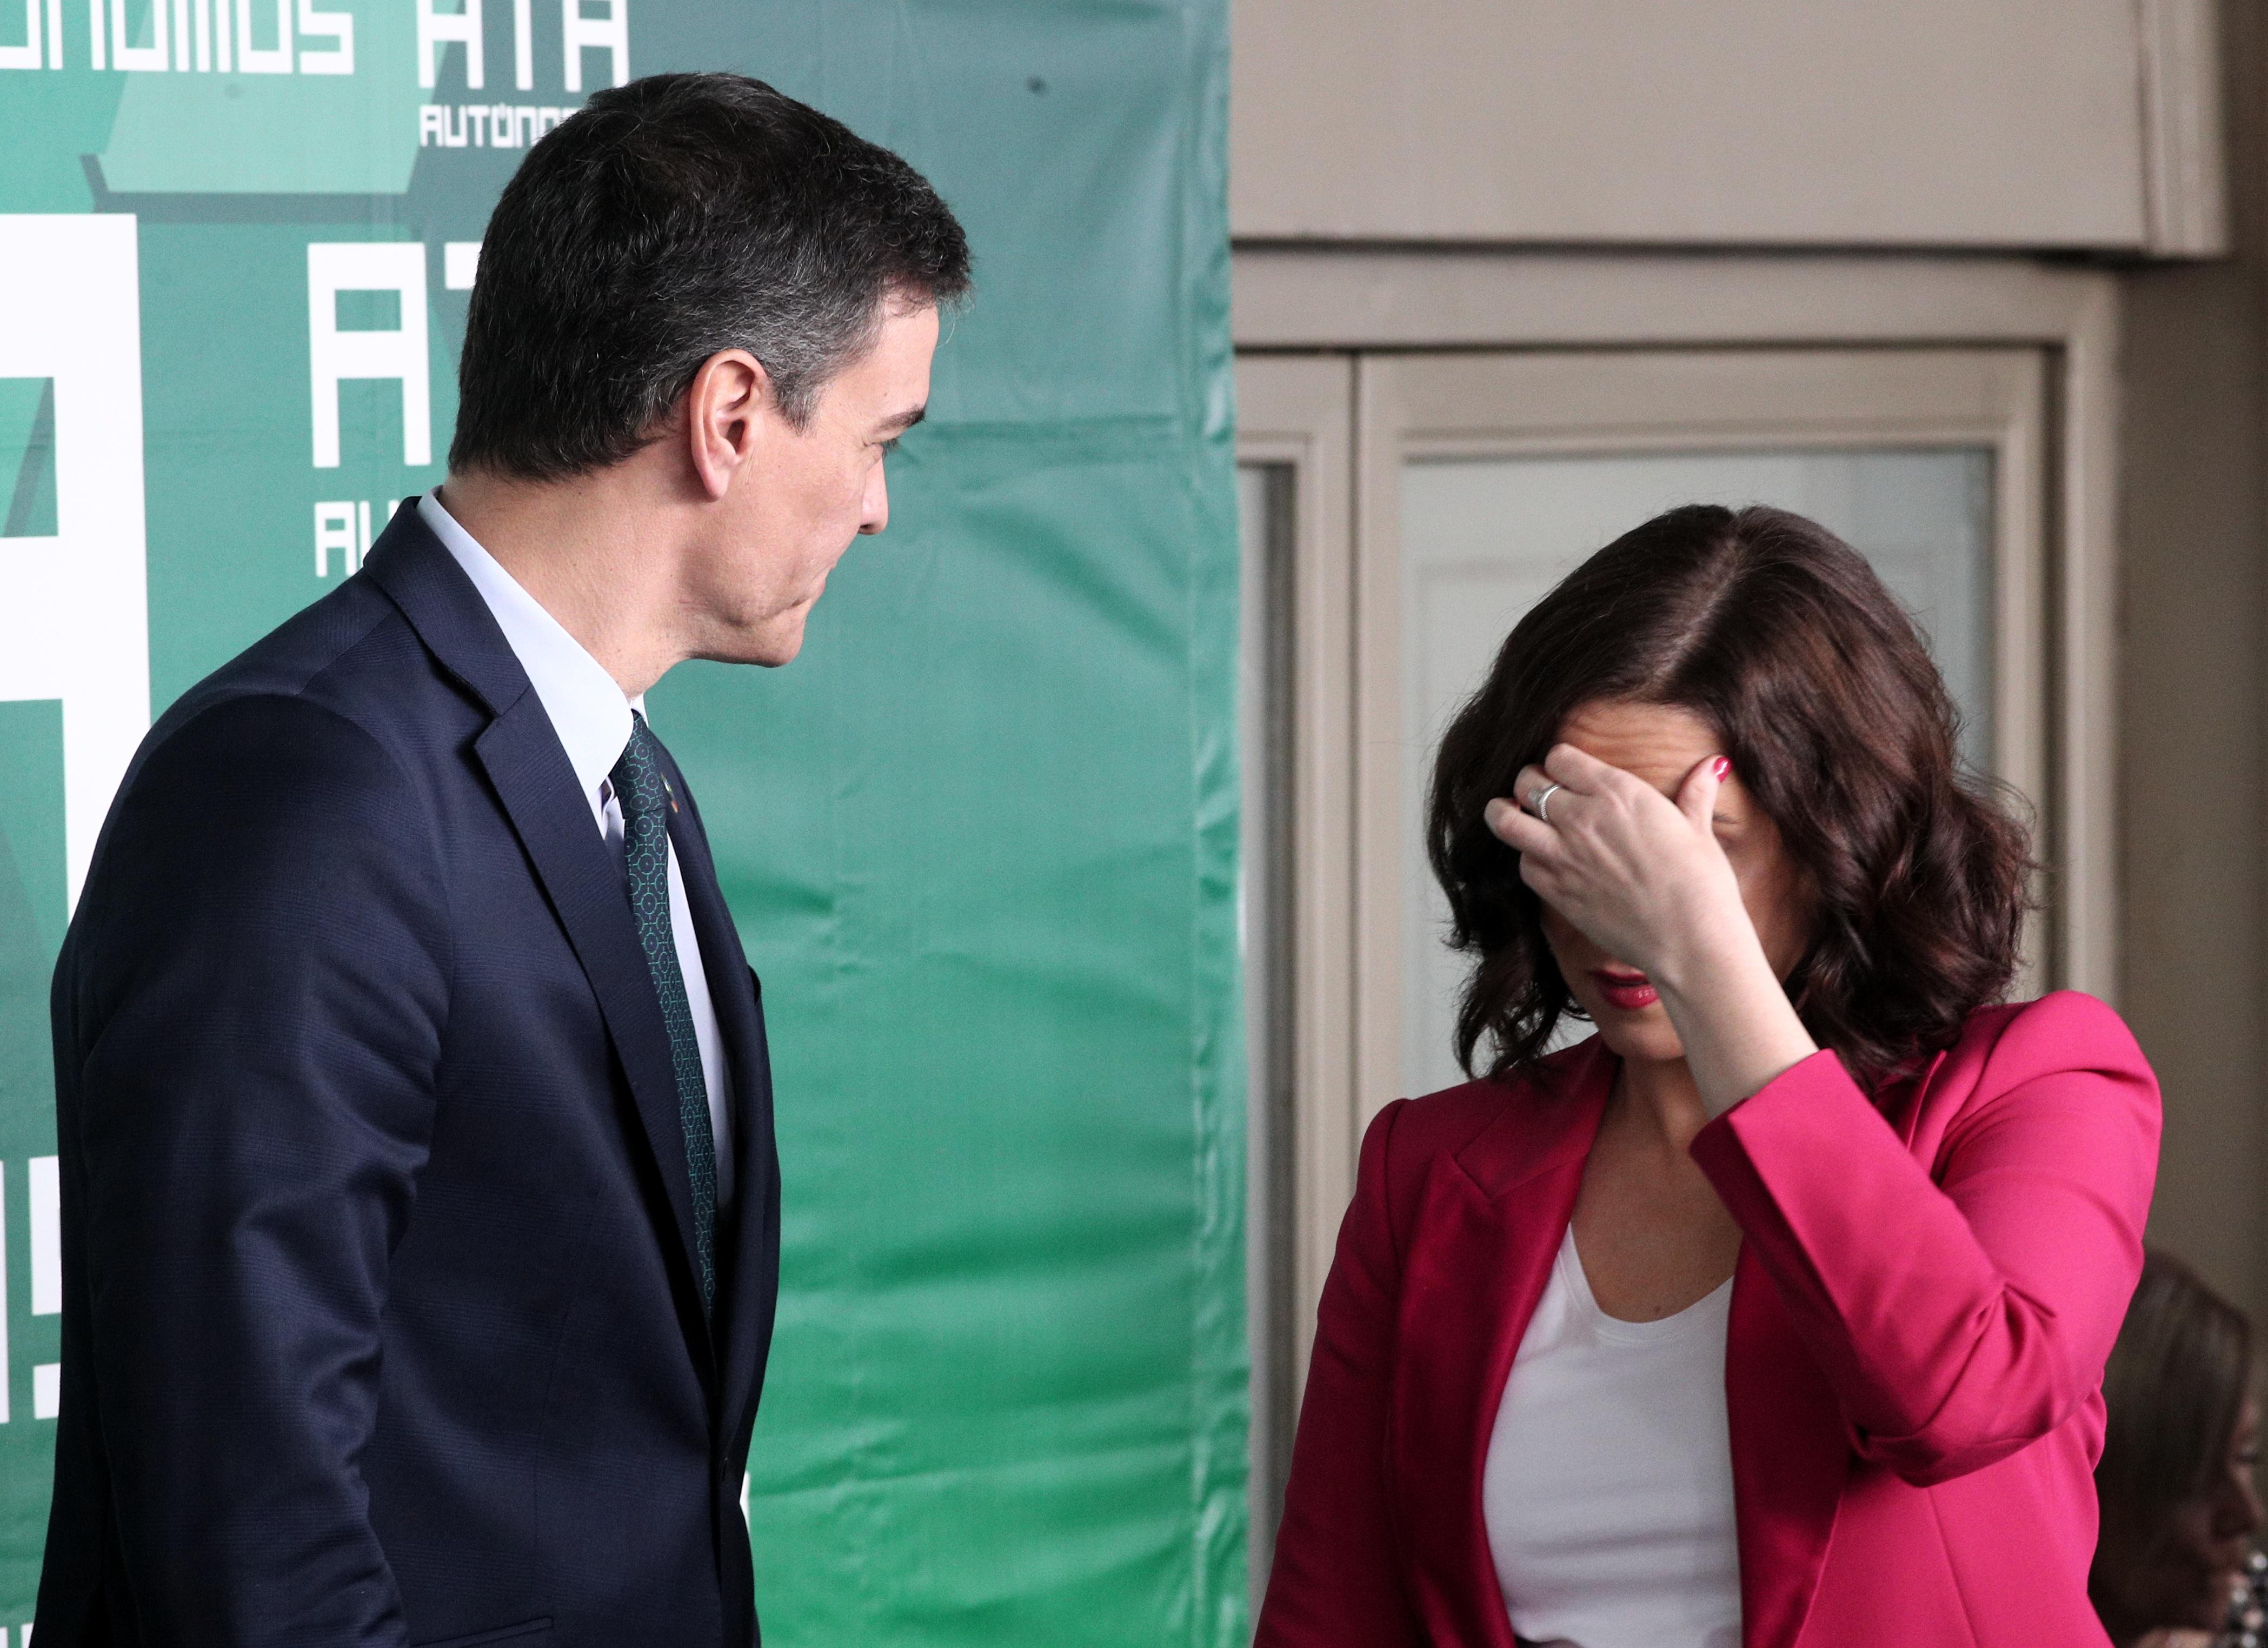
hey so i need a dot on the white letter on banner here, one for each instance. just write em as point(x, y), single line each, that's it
point(47, 1277)
point(336, 25)
point(252, 59)
point(27, 55)
point(76, 622)
point(460, 264)
point(394, 266)
point(610, 34)
point(147, 59)
point(436, 29)
point(334, 529)
point(5, 1369)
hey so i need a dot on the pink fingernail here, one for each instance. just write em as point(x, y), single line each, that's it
point(1723, 765)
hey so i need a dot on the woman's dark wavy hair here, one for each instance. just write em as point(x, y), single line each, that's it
point(2172, 1394)
point(1778, 634)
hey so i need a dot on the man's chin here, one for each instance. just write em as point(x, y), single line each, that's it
point(769, 645)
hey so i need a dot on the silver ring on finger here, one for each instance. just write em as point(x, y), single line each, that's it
point(1541, 801)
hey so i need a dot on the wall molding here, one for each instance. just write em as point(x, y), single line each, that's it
point(2184, 167)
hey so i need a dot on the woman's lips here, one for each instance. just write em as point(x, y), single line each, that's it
point(1628, 992)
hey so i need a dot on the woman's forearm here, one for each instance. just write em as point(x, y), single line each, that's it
point(1961, 1301)
point(1737, 1025)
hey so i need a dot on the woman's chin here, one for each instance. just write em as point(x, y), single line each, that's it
point(1639, 1038)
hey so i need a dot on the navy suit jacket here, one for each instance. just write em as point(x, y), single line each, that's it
point(379, 1320)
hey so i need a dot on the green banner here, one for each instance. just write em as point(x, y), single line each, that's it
point(980, 839)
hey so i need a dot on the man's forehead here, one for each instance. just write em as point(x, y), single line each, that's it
point(888, 385)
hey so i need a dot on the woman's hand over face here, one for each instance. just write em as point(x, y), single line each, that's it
point(1640, 874)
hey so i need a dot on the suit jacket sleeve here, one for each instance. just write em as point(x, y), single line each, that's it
point(1335, 1581)
point(1962, 1313)
point(256, 1007)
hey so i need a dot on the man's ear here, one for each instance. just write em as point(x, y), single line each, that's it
point(726, 407)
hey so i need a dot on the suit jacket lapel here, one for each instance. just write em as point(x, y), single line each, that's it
point(748, 1277)
point(523, 759)
point(1481, 1251)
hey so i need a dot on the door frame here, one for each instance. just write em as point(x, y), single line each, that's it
point(1303, 313)
point(1296, 417)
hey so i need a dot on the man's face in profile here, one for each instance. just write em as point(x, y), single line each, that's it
point(792, 512)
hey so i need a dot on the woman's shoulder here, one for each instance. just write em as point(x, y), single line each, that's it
point(2062, 1046)
point(1410, 1133)
point(2063, 1030)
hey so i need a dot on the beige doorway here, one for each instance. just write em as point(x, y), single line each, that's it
point(1403, 508)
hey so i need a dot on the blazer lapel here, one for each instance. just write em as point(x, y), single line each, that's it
point(1790, 1458)
point(745, 1312)
point(522, 756)
point(1482, 1246)
point(1792, 1452)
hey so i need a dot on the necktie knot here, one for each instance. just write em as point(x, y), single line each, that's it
point(638, 784)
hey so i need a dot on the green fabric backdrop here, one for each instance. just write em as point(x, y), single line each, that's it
point(980, 838)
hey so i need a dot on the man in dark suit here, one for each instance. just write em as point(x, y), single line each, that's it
point(421, 1214)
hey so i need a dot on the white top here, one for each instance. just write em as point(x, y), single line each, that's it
point(593, 719)
point(1608, 1489)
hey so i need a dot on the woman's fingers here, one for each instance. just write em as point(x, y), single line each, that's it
point(1579, 770)
point(1515, 829)
point(1697, 796)
point(1624, 863)
point(1528, 783)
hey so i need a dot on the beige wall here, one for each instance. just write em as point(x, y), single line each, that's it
point(2191, 781)
point(1909, 122)
point(2019, 125)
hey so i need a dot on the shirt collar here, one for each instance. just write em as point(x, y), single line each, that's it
point(585, 705)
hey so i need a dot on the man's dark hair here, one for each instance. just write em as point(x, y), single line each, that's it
point(671, 218)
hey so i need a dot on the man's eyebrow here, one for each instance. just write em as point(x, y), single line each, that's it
point(903, 420)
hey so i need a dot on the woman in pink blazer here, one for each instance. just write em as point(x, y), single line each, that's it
point(1775, 1313)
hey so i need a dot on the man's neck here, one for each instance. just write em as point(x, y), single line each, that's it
point(584, 549)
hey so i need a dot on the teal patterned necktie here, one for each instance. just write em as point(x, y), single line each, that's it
point(646, 803)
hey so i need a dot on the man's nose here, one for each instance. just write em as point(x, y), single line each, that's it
point(875, 514)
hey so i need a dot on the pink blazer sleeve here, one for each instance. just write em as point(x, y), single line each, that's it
point(1963, 1309)
point(1335, 1579)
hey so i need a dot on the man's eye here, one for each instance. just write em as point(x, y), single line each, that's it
point(889, 445)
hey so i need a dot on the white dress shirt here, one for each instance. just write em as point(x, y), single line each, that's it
point(1607, 1490)
point(592, 719)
